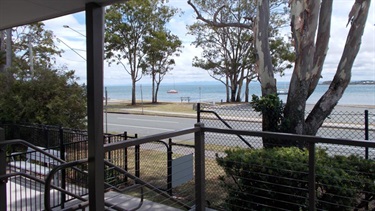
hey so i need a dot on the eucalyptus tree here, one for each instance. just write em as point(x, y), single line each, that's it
point(161, 46)
point(4, 41)
point(228, 50)
point(34, 89)
point(310, 28)
point(127, 26)
point(226, 54)
point(33, 44)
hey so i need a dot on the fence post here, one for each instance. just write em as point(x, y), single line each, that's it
point(199, 168)
point(63, 172)
point(106, 136)
point(366, 133)
point(169, 167)
point(198, 112)
point(125, 156)
point(311, 176)
point(137, 159)
point(3, 188)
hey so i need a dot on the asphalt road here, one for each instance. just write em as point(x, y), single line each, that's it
point(145, 125)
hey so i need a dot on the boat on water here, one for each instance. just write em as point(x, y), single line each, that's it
point(172, 91)
point(282, 92)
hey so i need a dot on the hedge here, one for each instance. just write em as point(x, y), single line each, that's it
point(265, 179)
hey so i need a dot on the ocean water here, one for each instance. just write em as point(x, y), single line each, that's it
point(212, 92)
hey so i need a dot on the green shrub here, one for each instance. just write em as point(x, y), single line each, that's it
point(263, 179)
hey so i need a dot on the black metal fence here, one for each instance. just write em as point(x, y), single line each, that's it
point(73, 144)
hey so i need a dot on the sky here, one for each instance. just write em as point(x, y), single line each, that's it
point(183, 72)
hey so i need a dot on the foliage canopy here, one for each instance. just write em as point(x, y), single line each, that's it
point(262, 179)
point(33, 89)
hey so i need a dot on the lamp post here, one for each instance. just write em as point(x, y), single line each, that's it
point(66, 26)
point(59, 40)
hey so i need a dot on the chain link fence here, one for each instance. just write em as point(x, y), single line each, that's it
point(340, 124)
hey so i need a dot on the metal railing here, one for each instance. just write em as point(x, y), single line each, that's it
point(200, 171)
point(204, 183)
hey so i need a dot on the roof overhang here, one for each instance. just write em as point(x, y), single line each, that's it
point(20, 12)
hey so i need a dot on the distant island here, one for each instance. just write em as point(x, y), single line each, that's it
point(363, 82)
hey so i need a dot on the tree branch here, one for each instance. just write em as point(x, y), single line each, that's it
point(323, 36)
point(218, 24)
point(329, 100)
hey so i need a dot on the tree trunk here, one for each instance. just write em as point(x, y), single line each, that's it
point(264, 65)
point(329, 100)
point(238, 97)
point(324, 33)
point(134, 102)
point(156, 91)
point(153, 86)
point(233, 91)
point(239, 83)
point(247, 89)
point(6, 48)
point(304, 22)
point(310, 55)
point(227, 88)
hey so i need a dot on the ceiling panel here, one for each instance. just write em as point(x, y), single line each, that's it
point(20, 12)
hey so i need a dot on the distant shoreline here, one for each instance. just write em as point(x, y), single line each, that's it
point(362, 82)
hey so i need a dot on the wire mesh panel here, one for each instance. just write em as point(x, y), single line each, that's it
point(266, 181)
point(150, 174)
point(280, 178)
point(348, 125)
point(339, 124)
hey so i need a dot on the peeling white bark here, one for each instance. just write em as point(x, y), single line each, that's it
point(264, 61)
point(343, 73)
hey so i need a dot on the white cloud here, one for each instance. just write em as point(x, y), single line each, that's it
point(364, 66)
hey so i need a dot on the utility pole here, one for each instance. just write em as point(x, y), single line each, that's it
point(8, 48)
point(31, 55)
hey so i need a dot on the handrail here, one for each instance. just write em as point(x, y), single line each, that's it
point(153, 188)
point(29, 145)
point(20, 141)
point(6, 176)
point(47, 187)
point(228, 126)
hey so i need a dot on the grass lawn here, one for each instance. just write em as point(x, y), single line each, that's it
point(153, 169)
point(124, 106)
